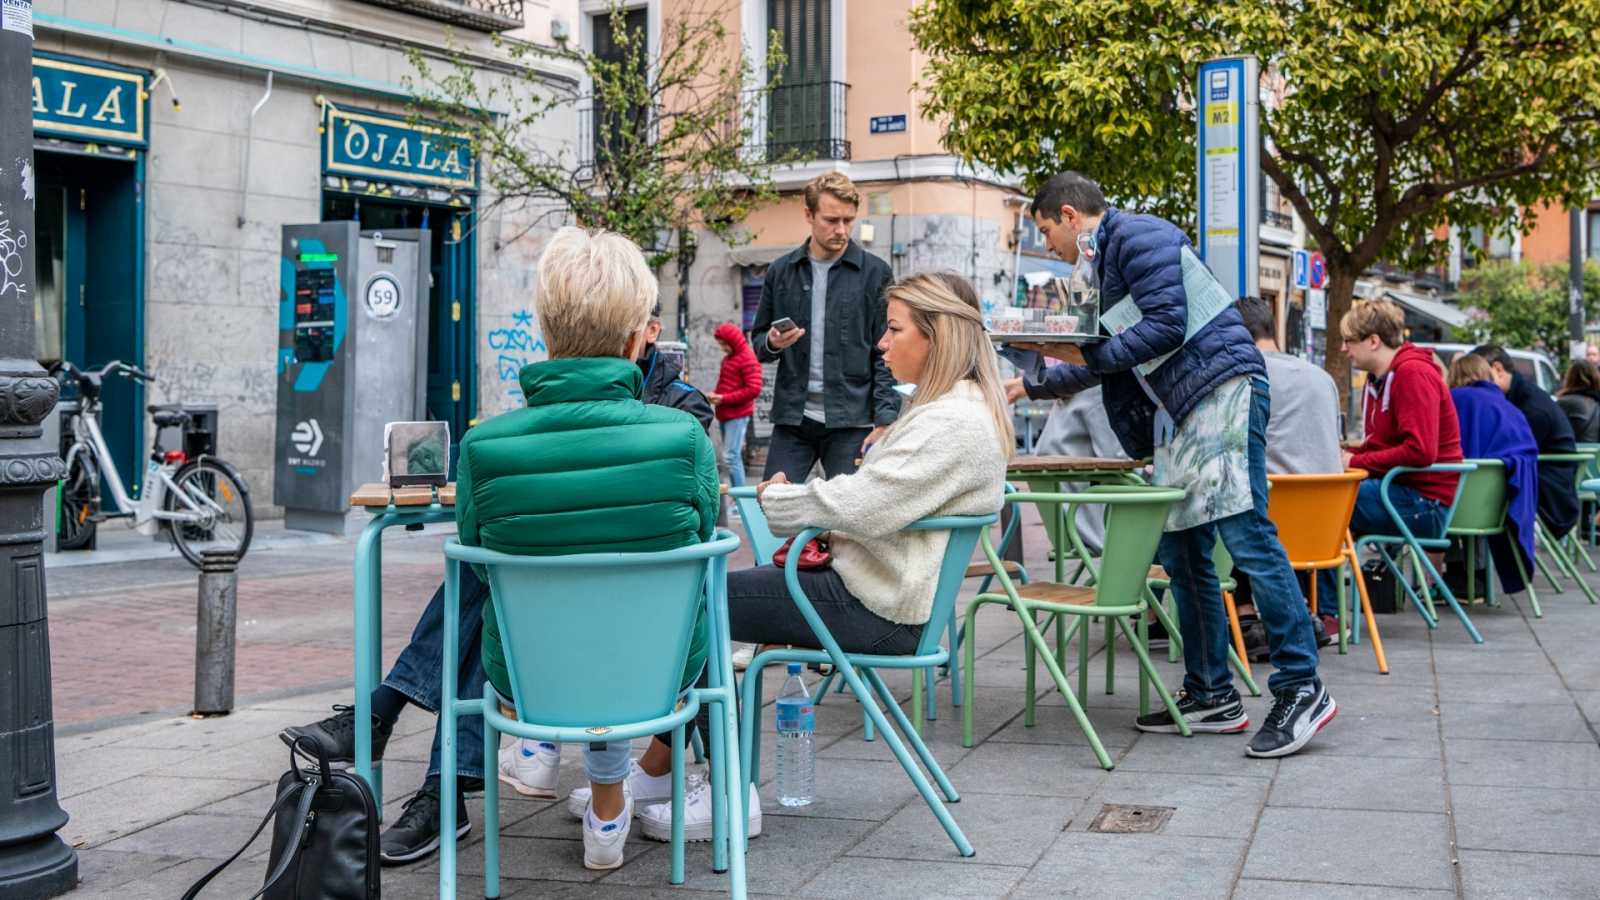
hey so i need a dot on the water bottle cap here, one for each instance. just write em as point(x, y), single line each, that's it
point(794, 668)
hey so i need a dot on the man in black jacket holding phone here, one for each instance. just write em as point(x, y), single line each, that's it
point(834, 395)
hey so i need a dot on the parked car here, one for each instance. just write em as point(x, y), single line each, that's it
point(1530, 363)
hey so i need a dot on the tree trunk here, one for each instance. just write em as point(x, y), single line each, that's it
point(1341, 288)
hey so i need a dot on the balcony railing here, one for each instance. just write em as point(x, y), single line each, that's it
point(802, 123)
point(1277, 219)
point(479, 15)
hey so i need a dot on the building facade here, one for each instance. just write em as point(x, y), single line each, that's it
point(174, 140)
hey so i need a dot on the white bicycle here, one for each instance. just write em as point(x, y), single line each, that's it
point(202, 503)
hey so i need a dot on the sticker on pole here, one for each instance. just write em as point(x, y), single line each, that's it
point(382, 296)
point(17, 15)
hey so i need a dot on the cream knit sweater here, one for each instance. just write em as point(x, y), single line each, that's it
point(942, 459)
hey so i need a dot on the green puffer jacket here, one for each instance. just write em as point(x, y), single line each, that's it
point(587, 467)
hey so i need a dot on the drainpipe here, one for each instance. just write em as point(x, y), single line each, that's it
point(249, 138)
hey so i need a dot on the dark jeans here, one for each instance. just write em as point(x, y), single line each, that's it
point(760, 611)
point(1252, 540)
point(794, 449)
point(1423, 516)
point(417, 673)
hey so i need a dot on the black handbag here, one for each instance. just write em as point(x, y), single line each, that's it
point(1382, 591)
point(325, 839)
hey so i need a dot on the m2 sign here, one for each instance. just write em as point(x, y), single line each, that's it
point(366, 144)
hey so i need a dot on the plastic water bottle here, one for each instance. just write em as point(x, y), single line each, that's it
point(797, 751)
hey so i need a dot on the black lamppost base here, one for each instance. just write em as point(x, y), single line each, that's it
point(38, 869)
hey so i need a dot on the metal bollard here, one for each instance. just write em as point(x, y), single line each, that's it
point(215, 620)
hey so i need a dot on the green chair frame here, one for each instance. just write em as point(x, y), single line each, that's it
point(1481, 508)
point(1565, 550)
point(859, 670)
point(577, 601)
point(1418, 547)
point(1134, 520)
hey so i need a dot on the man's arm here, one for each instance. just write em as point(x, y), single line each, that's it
point(885, 401)
point(687, 397)
point(763, 322)
point(1415, 400)
point(1153, 276)
point(1060, 382)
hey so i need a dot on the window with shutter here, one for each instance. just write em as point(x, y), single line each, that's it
point(630, 45)
point(806, 110)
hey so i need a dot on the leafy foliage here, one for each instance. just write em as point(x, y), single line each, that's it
point(1391, 119)
point(663, 140)
point(1523, 304)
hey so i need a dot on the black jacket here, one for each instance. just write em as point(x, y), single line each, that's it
point(1583, 414)
point(1558, 488)
point(858, 389)
point(664, 386)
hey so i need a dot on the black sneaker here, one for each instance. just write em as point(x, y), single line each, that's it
point(1156, 636)
point(1255, 640)
point(1224, 717)
point(1298, 713)
point(336, 735)
point(416, 834)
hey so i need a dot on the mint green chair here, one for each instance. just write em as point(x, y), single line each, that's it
point(1118, 593)
point(558, 615)
point(1565, 551)
point(860, 670)
point(1480, 512)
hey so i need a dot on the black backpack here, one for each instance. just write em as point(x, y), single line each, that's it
point(325, 840)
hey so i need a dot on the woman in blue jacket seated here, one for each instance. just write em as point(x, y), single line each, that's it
point(1491, 428)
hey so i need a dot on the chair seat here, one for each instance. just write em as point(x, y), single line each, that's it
point(980, 569)
point(1054, 592)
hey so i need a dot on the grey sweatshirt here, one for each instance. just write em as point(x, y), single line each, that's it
point(1303, 431)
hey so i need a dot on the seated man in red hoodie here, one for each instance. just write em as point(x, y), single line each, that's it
point(1410, 421)
point(738, 385)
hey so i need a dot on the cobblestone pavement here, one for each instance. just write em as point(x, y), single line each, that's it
point(1469, 771)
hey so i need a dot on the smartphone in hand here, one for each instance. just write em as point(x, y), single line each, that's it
point(785, 324)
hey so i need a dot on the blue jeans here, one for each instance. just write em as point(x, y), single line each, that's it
point(1252, 540)
point(417, 673)
point(1423, 516)
point(733, 432)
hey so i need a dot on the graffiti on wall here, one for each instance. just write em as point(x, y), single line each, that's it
point(514, 348)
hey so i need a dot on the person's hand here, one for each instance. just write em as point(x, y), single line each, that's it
point(1347, 456)
point(716, 399)
point(1015, 390)
point(1067, 353)
point(761, 488)
point(779, 340)
point(873, 436)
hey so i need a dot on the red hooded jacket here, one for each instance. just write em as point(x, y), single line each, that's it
point(1411, 421)
point(739, 382)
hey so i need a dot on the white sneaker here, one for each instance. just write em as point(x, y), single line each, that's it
point(743, 656)
point(602, 848)
point(656, 821)
point(646, 789)
point(529, 769)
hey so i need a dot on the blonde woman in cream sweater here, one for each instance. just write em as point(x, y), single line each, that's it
point(945, 456)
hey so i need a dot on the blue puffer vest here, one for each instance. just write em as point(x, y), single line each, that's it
point(1139, 255)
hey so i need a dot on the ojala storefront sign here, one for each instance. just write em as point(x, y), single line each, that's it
point(88, 101)
point(367, 144)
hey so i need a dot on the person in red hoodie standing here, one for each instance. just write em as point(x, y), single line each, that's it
point(738, 385)
point(1410, 421)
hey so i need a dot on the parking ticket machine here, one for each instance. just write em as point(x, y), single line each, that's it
point(352, 357)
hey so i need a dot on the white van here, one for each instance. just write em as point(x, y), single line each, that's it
point(1532, 365)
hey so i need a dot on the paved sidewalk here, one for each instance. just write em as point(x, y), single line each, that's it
point(1470, 771)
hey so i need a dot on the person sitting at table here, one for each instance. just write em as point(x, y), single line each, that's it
point(1579, 398)
point(1558, 481)
point(1491, 428)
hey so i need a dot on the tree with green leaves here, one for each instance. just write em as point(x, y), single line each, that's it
point(1525, 304)
point(664, 133)
point(1395, 120)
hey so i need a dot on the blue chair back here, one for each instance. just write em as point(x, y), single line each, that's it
point(565, 620)
point(763, 543)
point(964, 534)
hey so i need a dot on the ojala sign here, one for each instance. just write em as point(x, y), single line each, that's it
point(88, 101)
point(372, 145)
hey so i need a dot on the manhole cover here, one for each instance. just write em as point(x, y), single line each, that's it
point(1117, 818)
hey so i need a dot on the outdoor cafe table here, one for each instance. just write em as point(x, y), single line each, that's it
point(1043, 475)
point(412, 508)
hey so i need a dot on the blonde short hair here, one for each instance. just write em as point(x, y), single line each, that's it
point(1374, 317)
point(595, 292)
point(1469, 368)
point(835, 184)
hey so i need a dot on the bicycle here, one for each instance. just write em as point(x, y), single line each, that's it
point(202, 503)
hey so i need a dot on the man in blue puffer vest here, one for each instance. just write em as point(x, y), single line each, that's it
point(1198, 403)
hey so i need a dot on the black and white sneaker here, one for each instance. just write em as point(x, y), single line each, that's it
point(1223, 717)
point(416, 834)
point(336, 735)
point(1298, 713)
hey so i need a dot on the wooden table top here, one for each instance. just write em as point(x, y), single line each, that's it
point(380, 495)
point(1033, 464)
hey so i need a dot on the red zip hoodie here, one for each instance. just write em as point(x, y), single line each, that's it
point(1411, 421)
point(739, 381)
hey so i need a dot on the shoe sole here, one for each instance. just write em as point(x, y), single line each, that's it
point(524, 789)
point(1198, 727)
point(596, 867)
point(691, 834)
point(1296, 746)
point(425, 851)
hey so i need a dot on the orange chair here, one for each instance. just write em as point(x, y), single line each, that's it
point(1312, 514)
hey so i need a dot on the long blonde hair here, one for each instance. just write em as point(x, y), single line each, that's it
point(945, 309)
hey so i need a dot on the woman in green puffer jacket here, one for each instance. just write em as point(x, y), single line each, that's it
point(587, 467)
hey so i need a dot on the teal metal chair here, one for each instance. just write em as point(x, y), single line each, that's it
point(557, 616)
point(1418, 547)
point(763, 543)
point(859, 670)
point(1566, 550)
point(1480, 512)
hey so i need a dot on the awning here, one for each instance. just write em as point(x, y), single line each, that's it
point(1437, 310)
point(757, 254)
